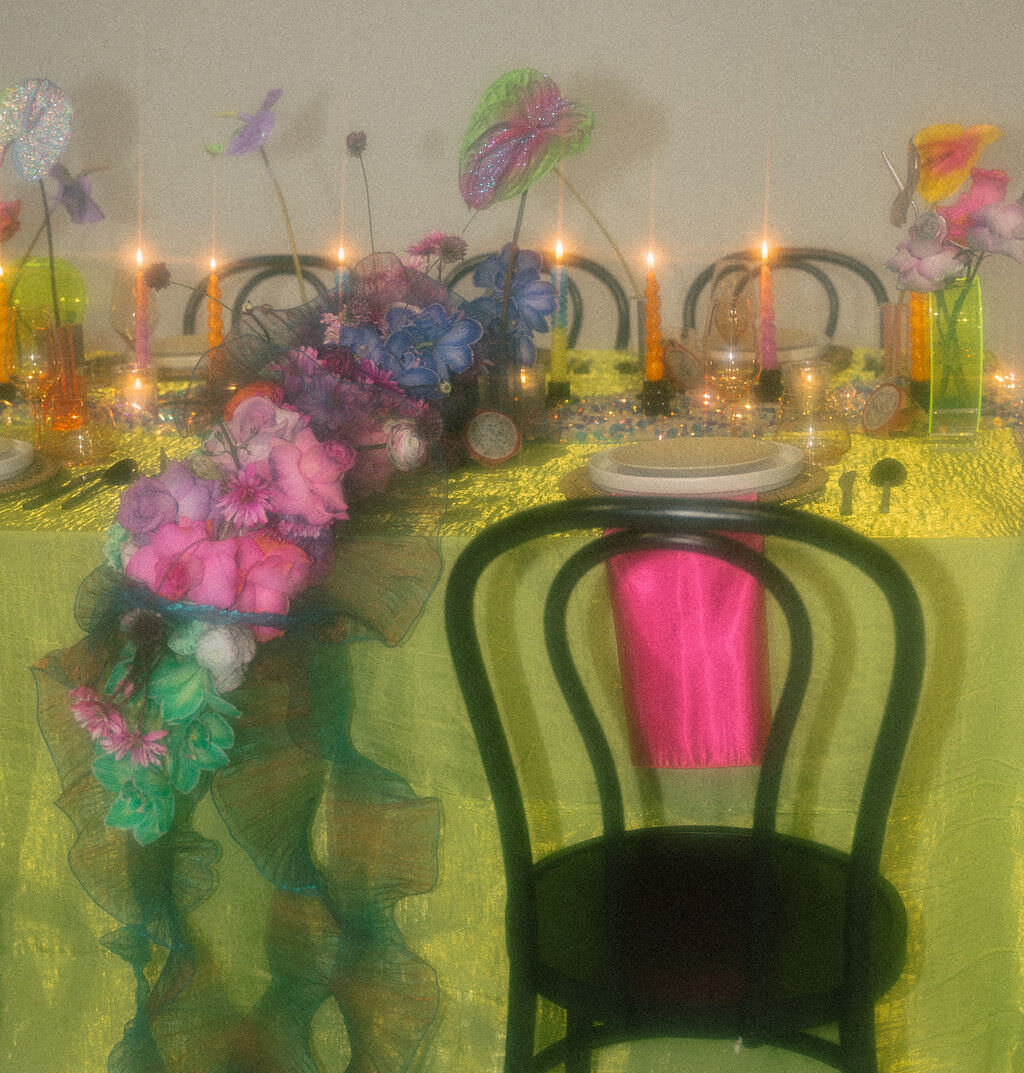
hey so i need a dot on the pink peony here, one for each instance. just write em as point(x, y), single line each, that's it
point(986, 188)
point(306, 478)
point(999, 228)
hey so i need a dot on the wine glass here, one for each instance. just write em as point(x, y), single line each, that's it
point(731, 361)
point(33, 375)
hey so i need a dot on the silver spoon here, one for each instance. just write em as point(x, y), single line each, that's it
point(120, 472)
point(75, 482)
point(887, 473)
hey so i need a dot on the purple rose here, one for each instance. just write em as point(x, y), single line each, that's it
point(193, 495)
point(998, 228)
point(146, 506)
point(925, 264)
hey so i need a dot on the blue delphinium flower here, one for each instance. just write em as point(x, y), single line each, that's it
point(255, 128)
point(531, 300)
point(424, 348)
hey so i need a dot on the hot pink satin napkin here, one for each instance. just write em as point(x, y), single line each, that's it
point(693, 657)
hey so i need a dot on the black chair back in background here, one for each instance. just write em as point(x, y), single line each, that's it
point(317, 271)
point(573, 264)
point(805, 259)
point(688, 931)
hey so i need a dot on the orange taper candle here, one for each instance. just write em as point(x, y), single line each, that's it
point(6, 330)
point(142, 352)
point(214, 309)
point(654, 366)
point(920, 338)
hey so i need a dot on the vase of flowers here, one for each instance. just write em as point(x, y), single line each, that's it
point(942, 254)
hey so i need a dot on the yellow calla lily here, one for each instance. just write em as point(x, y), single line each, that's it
point(948, 152)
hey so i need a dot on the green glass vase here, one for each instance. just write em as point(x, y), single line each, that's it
point(954, 404)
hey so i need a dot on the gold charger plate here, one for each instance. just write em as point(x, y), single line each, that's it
point(39, 471)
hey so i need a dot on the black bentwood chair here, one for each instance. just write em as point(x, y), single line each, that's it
point(806, 259)
point(573, 264)
point(317, 271)
point(692, 931)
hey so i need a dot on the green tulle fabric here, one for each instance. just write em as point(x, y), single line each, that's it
point(336, 840)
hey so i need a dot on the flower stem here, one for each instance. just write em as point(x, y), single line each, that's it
point(604, 231)
point(369, 211)
point(49, 246)
point(513, 253)
point(287, 224)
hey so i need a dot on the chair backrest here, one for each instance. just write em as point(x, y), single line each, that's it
point(317, 271)
point(635, 523)
point(574, 264)
point(806, 259)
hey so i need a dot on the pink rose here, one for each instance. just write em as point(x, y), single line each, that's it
point(999, 229)
point(306, 478)
point(164, 565)
point(214, 573)
point(255, 425)
point(274, 571)
point(987, 187)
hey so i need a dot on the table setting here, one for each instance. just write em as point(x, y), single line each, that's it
point(224, 553)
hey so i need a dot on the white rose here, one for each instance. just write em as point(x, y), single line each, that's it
point(226, 652)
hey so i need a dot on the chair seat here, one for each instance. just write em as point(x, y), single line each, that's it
point(685, 941)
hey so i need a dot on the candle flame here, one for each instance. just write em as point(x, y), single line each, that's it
point(138, 256)
point(341, 254)
point(650, 258)
point(764, 251)
point(558, 250)
point(213, 264)
point(1, 271)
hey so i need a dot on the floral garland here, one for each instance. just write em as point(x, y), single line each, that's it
point(209, 557)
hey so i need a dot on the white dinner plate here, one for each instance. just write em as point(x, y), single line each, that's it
point(692, 456)
point(15, 458)
point(781, 465)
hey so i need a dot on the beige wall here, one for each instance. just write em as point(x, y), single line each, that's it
point(687, 92)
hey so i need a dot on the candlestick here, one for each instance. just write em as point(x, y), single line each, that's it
point(769, 355)
point(142, 353)
point(214, 309)
point(654, 366)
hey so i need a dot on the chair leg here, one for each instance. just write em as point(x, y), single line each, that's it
point(858, 1045)
point(578, 1032)
point(520, 1027)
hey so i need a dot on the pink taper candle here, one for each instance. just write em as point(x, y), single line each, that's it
point(769, 356)
point(141, 315)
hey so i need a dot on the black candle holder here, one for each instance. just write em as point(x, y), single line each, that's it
point(656, 398)
point(559, 392)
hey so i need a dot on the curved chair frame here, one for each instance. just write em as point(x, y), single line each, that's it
point(797, 257)
point(583, 264)
point(261, 268)
point(595, 1018)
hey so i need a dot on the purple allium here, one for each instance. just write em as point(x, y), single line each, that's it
point(355, 143)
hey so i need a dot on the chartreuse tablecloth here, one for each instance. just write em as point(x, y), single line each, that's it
point(956, 839)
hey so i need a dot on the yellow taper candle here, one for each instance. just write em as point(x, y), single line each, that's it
point(654, 366)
